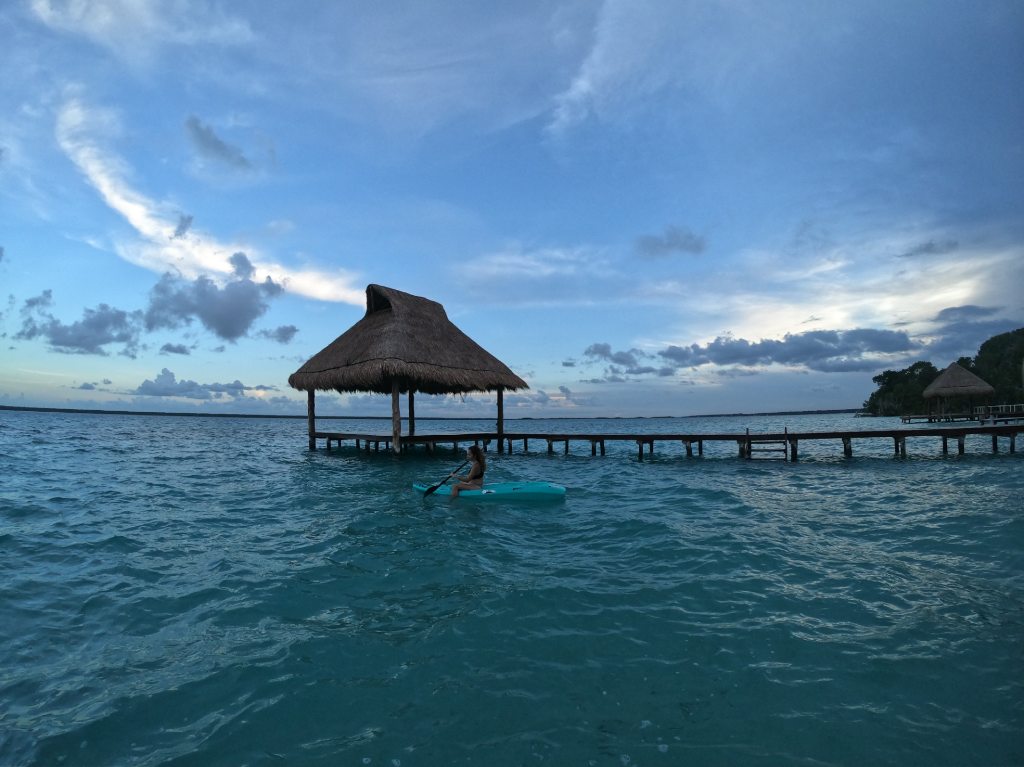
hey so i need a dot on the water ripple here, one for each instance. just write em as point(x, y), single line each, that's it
point(166, 600)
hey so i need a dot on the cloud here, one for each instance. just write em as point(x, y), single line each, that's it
point(98, 327)
point(604, 352)
point(174, 349)
point(932, 248)
point(283, 334)
point(643, 52)
point(1, 253)
point(821, 350)
point(960, 330)
point(674, 240)
point(87, 387)
point(959, 314)
point(136, 32)
point(212, 147)
point(241, 266)
point(623, 364)
point(546, 275)
point(166, 384)
point(82, 133)
point(184, 224)
point(228, 312)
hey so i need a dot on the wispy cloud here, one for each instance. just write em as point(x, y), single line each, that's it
point(213, 147)
point(642, 49)
point(137, 32)
point(931, 248)
point(674, 240)
point(163, 242)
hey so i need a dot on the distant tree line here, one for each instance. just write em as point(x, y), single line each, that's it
point(998, 363)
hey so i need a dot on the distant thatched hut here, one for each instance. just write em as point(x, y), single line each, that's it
point(403, 344)
point(957, 383)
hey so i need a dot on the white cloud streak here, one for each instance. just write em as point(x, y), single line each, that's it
point(137, 31)
point(160, 247)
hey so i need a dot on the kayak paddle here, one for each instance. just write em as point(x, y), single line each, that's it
point(434, 487)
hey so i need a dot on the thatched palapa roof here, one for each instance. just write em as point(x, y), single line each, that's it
point(957, 381)
point(408, 339)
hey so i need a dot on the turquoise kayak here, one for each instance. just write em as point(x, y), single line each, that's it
point(505, 491)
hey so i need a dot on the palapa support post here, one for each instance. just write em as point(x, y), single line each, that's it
point(960, 444)
point(311, 417)
point(396, 419)
point(847, 447)
point(412, 412)
point(501, 420)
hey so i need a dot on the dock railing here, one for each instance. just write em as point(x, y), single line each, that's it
point(999, 413)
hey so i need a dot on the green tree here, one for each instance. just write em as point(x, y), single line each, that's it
point(999, 363)
point(900, 391)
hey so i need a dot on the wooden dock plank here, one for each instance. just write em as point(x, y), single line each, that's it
point(747, 443)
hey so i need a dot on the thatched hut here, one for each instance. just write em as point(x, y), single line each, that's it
point(404, 344)
point(957, 383)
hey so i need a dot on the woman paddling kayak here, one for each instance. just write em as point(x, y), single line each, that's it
point(475, 479)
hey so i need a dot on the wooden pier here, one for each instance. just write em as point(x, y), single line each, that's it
point(783, 444)
point(991, 414)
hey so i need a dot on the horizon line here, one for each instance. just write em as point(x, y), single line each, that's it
point(184, 414)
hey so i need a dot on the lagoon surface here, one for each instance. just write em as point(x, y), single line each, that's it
point(198, 591)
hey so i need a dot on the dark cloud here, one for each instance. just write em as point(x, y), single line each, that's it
point(184, 224)
point(604, 352)
point(98, 327)
point(1, 252)
point(242, 266)
point(962, 329)
point(175, 349)
point(87, 387)
point(826, 351)
point(624, 363)
point(166, 384)
point(11, 303)
point(569, 363)
point(228, 312)
point(674, 240)
point(967, 313)
point(211, 146)
point(932, 248)
point(283, 334)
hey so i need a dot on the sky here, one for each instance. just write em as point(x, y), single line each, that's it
point(642, 207)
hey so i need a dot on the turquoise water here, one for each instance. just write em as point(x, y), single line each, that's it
point(208, 592)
